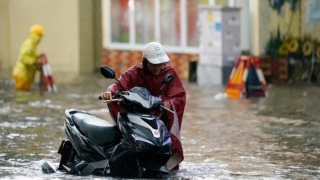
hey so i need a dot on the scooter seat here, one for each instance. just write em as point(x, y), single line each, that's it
point(100, 131)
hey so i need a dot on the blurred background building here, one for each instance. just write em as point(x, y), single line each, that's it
point(82, 35)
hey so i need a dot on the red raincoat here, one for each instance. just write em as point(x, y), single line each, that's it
point(174, 93)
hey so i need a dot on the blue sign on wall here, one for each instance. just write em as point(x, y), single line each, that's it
point(313, 11)
point(218, 26)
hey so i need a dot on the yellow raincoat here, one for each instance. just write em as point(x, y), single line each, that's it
point(24, 69)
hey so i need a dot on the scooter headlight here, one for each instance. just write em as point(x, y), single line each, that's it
point(141, 143)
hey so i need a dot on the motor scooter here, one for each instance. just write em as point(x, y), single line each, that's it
point(137, 145)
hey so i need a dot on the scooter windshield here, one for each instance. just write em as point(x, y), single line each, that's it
point(141, 96)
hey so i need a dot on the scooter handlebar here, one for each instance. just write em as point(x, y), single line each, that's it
point(114, 96)
point(100, 98)
point(166, 109)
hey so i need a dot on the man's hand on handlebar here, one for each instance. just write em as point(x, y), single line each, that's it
point(166, 104)
point(106, 95)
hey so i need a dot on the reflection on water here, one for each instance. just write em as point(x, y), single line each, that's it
point(260, 138)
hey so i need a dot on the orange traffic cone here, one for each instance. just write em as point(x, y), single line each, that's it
point(246, 79)
point(235, 84)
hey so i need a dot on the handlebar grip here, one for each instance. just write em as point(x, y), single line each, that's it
point(100, 97)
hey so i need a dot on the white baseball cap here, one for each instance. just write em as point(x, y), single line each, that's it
point(155, 53)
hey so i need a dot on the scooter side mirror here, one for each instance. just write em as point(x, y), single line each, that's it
point(166, 80)
point(107, 72)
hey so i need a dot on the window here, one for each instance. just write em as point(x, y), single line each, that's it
point(144, 21)
point(192, 18)
point(170, 22)
point(120, 22)
point(133, 23)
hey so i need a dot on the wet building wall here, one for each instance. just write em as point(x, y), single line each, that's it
point(4, 38)
point(72, 33)
point(121, 60)
point(293, 20)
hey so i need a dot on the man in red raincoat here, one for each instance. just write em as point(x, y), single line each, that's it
point(149, 74)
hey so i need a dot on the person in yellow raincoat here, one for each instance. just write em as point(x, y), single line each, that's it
point(24, 70)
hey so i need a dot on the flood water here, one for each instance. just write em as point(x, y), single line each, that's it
point(276, 137)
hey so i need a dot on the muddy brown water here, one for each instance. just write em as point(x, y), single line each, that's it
point(276, 137)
